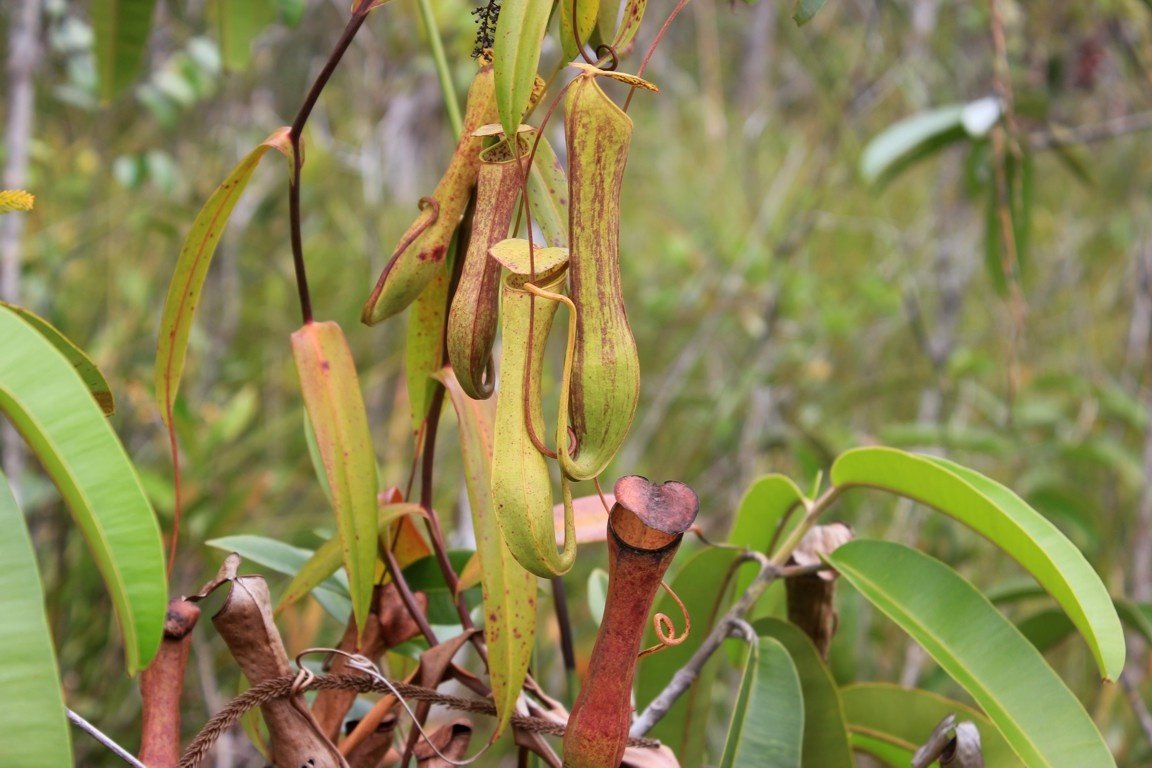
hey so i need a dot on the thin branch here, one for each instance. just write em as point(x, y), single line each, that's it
point(1053, 138)
point(97, 734)
point(354, 24)
point(733, 621)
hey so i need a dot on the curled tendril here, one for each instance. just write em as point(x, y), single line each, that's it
point(363, 664)
point(604, 49)
point(665, 629)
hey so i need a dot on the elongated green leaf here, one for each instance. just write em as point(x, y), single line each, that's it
point(326, 560)
point(597, 594)
point(34, 728)
point(806, 10)
point(629, 24)
point(331, 592)
point(424, 344)
point(336, 410)
point(49, 404)
point(913, 138)
point(1007, 521)
point(981, 650)
point(548, 195)
point(238, 23)
point(509, 591)
point(85, 368)
point(763, 511)
point(702, 585)
point(825, 732)
point(767, 727)
point(891, 754)
point(191, 269)
point(906, 717)
point(121, 28)
point(516, 55)
point(587, 13)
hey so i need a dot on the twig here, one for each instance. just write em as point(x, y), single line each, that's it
point(1053, 138)
point(359, 14)
point(687, 675)
point(1139, 708)
point(97, 734)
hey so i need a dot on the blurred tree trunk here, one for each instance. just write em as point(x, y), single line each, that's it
point(23, 56)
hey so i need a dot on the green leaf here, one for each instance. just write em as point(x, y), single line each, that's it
point(981, 650)
point(238, 23)
point(424, 343)
point(806, 10)
point(85, 368)
point(629, 23)
point(888, 753)
point(121, 28)
point(191, 269)
point(45, 399)
point(280, 557)
point(424, 575)
point(587, 13)
point(325, 561)
point(703, 584)
point(913, 138)
point(767, 727)
point(548, 194)
point(1046, 629)
point(34, 727)
point(336, 411)
point(906, 717)
point(516, 55)
point(509, 591)
point(763, 516)
point(825, 733)
point(1007, 521)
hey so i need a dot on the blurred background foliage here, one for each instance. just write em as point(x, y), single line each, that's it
point(785, 308)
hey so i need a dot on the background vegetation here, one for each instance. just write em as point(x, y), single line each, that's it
point(785, 308)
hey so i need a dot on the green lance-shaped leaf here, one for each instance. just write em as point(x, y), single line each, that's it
point(192, 267)
point(1007, 521)
point(326, 560)
point(587, 13)
point(420, 254)
point(771, 506)
point(826, 743)
point(508, 591)
point(1040, 718)
point(474, 315)
point(806, 10)
point(521, 486)
point(85, 368)
point(548, 194)
point(424, 341)
point(629, 25)
point(906, 717)
point(335, 407)
point(121, 28)
point(45, 399)
point(605, 376)
point(516, 55)
point(767, 727)
point(34, 726)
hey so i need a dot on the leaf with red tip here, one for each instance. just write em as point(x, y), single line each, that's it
point(335, 407)
point(192, 267)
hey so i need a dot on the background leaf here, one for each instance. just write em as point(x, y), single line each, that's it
point(981, 650)
point(34, 726)
point(238, 23)
point(121, 28)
